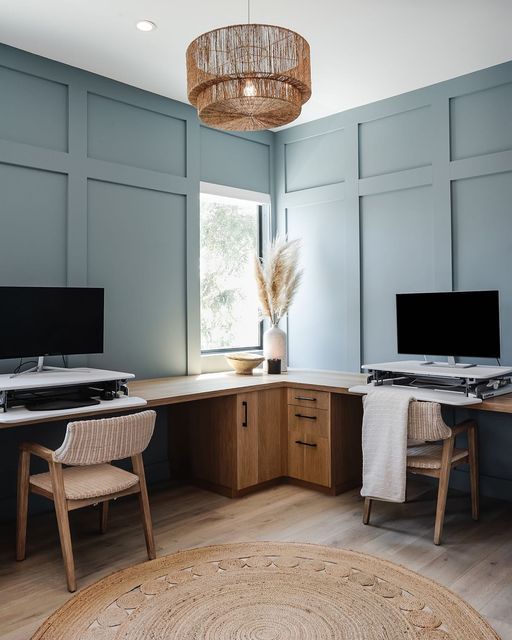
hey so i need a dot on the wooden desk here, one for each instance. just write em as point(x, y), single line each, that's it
point(234, 434)
point(160, 391)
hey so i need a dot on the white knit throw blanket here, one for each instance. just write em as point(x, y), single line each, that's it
point(385, 445)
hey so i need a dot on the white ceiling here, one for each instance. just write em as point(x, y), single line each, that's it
point(362, 50)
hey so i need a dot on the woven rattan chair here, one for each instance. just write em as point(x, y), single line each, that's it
point(425, 457)
point(87, 477)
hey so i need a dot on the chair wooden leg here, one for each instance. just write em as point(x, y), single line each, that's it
point(138, 467)
point(104, 516)
point(442, 493)
point(61, 511)
point(22, 507)
point(473, 472)
point(367, 510)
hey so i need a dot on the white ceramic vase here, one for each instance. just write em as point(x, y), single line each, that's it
point(274, 346)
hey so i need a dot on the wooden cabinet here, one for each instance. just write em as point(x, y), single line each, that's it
point(324, 438)
point(309, 436)
point(309, 458)
point(233, 444)
point(259, 437)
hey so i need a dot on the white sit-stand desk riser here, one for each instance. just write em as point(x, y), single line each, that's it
point(469, 375)
point(57, 378)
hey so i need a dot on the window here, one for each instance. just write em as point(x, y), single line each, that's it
point(231, 232)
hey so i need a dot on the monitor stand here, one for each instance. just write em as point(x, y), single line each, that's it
point(451, 364)
point(39, 368)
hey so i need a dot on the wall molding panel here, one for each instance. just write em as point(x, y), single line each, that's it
point(426, 203)
point(419, 128)
point(109, 131)
point(89, 128)
point(100, 186)
point(34, 110)
point(396, 181)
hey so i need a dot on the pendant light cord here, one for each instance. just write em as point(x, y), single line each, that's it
point(248, 11)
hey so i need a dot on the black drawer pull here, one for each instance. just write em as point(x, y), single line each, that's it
point(244, 405)
point(300, 415)
point(306, 444)
point(305, 398)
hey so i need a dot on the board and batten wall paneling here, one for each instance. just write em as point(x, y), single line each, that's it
point(314, 161)
point(136, 250)
point(128, 134)
point(314, 205)
point(481, 122)
point(427, 180)
point(235, 160)
point(33, 227)
point(482, 243)
point(320, 314)
point(396, 142)
point(33, 110)
point(99, 185)
point(33, 213)
point(397, 256)
point(63, 129)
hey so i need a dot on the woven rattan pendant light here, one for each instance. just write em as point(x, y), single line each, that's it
point(247, 77)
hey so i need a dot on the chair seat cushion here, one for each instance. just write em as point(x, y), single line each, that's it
point(92, 481)
point(428, 456)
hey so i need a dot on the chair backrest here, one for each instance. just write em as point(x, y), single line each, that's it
point(426, 422)
point(98, 441)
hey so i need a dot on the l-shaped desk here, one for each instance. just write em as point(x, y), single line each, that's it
point(234, 434)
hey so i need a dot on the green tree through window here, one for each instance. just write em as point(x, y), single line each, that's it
point(230, 233)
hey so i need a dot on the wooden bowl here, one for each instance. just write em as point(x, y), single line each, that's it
point(243, 363)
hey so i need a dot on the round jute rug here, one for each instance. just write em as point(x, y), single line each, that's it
point(265, 591)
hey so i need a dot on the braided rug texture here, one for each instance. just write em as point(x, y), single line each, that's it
point(266, 591)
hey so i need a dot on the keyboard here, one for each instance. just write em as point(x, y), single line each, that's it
point(57, 404)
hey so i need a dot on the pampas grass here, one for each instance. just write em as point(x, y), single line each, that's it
point(278, 278)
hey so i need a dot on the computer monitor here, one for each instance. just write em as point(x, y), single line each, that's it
point(46, 321)
point(461, 323)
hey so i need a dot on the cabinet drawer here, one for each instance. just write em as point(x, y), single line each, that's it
point(308, 398)
point(312, 421)
point(309, 458)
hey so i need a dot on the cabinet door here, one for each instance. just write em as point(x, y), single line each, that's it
point(309, 458)
point(317, 468)
point(260, 424)
point(247, 439)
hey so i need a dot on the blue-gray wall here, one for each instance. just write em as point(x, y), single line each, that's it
point(413, 193)
point(99, 186)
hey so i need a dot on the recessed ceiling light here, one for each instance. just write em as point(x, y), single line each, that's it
point(146, 25)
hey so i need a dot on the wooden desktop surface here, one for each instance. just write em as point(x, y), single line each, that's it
point(160, 391)
point(176, 389)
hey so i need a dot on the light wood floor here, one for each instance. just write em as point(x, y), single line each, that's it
point(475, 560)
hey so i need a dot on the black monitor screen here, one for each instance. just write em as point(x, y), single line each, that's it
point(39, 321)
point(463, 323)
